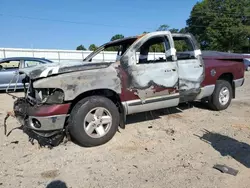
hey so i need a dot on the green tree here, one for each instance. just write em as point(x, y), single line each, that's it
point(222, 25)
point(174, 30)
point(183, 30)
point(81, 47)
point(117, 36)
point(179, 45)
point(158, 47)
point(163, 27)
point(93, 47)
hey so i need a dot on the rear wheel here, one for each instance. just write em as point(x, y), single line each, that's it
point(94, 121)
point(222, 96)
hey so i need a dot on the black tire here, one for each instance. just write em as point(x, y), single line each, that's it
point(78, 114)
point(214, 102)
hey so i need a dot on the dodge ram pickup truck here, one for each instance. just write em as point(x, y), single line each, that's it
point(88, 101)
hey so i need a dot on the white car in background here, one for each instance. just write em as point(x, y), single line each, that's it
point(247, 64)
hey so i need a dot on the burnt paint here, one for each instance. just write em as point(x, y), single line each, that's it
point(88, 66)
point(74, 84)
point(131, 94)
point(134, 79)
point(126, 94)
point(52, 69)
point(72, 87)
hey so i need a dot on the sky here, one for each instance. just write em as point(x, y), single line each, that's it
point(65, 24)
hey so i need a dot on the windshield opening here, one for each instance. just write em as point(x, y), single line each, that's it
point(112, 51)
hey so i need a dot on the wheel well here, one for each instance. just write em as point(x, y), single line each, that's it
point(228, 77)
point(110, 94)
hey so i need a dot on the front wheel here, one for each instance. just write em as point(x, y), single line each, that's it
point(94, 121)
point(222, 96)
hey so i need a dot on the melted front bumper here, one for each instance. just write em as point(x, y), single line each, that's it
point(46, 123)
point(42, 118)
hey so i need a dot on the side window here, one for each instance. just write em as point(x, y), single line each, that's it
point(153, 51)
point(9, 65)
point(184, 48)
point(31, 63)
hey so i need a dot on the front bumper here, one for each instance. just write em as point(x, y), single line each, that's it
point(42, 118)
point(46, 123)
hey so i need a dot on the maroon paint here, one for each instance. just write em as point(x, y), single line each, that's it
point(222, 66)
point(51, 110)
point(159, 89)
point(126, 95)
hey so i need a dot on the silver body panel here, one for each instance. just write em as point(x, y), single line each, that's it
point(48, 123)
point(239, 82)
point(136, 106)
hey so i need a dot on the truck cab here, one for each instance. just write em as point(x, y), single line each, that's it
point(158, 74)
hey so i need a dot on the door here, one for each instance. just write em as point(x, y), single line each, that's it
point(154, 75)
point(190, 64)
point(9, 71)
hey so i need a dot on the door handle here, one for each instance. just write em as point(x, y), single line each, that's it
point(198, 66)
point(169, 70)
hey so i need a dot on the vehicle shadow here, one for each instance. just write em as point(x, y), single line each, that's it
point(227, 146)
point(200, 105)
point(57, 184)
point(156, 114)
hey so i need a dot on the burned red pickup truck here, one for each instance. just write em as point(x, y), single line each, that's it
point(87, 101)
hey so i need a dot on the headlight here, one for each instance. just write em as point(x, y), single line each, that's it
point(49, 96)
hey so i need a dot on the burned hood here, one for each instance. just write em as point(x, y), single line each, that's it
point(46, 70)
point(75, 83)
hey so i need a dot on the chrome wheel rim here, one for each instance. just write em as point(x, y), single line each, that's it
point(224, 96)
point(97, 122)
